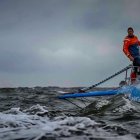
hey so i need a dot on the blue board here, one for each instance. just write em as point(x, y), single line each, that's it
point(133, 91)
point(89, 94)
point(135, 95)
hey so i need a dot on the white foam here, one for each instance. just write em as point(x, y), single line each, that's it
point(127, 107)
point(63, 92)
point(26, 126)
point(101, 103)
point(37, 109)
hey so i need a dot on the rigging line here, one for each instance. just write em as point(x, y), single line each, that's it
point(110, 77)
point(73, 103)
point(82, 100)
point(87, 100)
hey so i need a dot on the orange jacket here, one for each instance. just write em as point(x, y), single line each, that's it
point(129, 44)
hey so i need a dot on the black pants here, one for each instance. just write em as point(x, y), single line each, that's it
point(136, 64)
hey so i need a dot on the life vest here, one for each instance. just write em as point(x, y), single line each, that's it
point(130, 47)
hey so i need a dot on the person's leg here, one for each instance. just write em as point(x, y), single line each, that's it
point(136, 70)
point(135, 64)
point(133, 76)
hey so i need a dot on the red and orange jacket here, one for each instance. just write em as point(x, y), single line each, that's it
point(130, 47)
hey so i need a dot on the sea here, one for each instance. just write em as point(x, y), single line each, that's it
point(36, 113)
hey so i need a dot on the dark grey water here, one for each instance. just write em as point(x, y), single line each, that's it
point(36, 114)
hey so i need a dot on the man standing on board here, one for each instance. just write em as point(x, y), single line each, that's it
point(131, 49)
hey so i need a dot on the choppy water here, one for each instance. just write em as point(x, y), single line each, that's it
point(35, 114)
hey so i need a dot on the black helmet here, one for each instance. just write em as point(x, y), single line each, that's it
point(130, 28)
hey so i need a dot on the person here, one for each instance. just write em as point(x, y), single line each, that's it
point(131, 50)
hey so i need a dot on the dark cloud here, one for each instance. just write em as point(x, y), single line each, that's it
point(63, 42)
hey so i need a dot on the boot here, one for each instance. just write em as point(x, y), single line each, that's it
point(133, 77)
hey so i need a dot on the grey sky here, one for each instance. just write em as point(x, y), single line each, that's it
point(64, 42)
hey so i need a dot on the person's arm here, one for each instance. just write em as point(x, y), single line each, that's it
point(125, 50)
point(138, 41)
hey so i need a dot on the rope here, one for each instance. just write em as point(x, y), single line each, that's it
point(110, 77)
point(73, 103)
